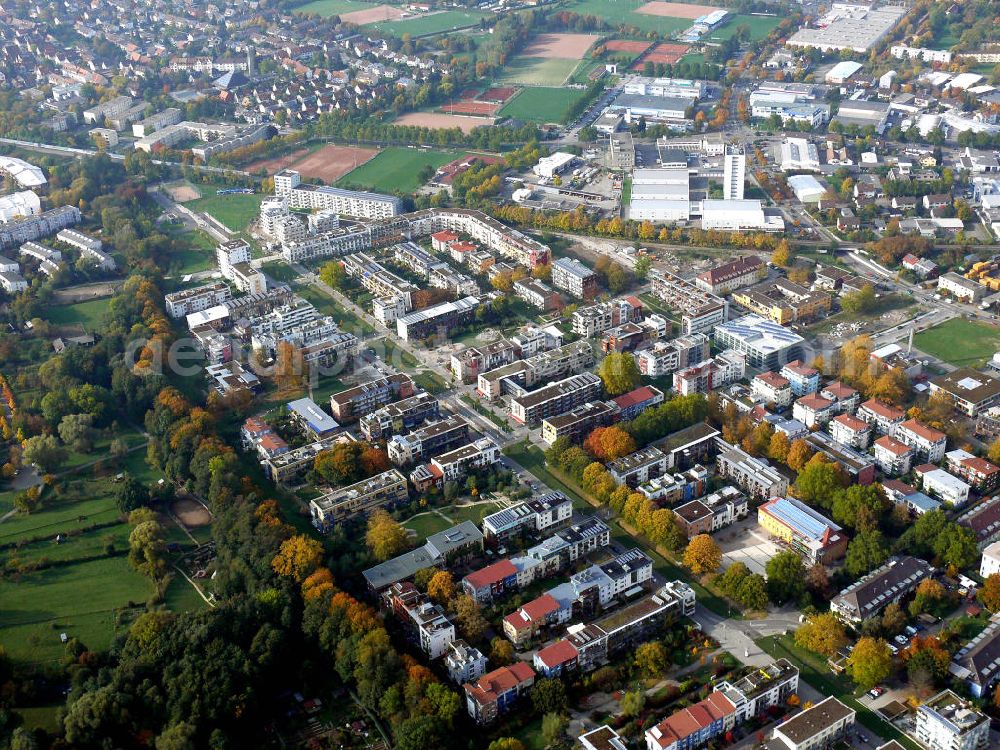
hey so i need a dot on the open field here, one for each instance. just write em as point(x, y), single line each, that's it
point(619, 13)
point(497, 94)
point(397, 168)
point(476, 109)
point(666, 53)
point(626, 45)
point(963, 343)
point(561, 46)
point(276, 163)
point(182, 192)
point(327, 8)
point(432, 23)
point(234, 211)
point(87, 314)
point(198, 253)
point(538, 71)
point(328, 163)
point(373, 14)
point(760, 27)
point(441, 120)
point(676, 10)
point(542, 104)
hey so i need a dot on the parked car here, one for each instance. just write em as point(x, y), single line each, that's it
point(900, 639)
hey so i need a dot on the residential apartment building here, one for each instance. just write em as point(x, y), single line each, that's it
point(540, 368)
point(858, 466)
point(754, 476)
point(464, 663)
point(455, 464)
point(982, 475)
point(940, 484)
point(804, 380)
point(393, 419)
point(439, 319)
point(970, 391)
point(288, 184)
point(961, 288)
point(428, 440)
point(187, 301)
point(694, 726)
point(761, 688)
point(866, 598)
point(772, 388)
point(630, 405)
point(783, 301)
point(983, 520)
point(534, 516)
point(700, 311)
point(496, 692)
point(638, 467)
point(765, 343)
point(883, 417)
point(354, 403)
point(818, 727)
point(287, 468)
point(813, 410)
point(712, 512)
point(947, 722)
point(577, 423)
point(977, 664)
point(892, 457)
point(724, 368)
point(594, 320)
point(665, 357)
point(928, 444)
point(744, 270)
point(574, 277)
point(454, 545)
point(467, 364)
point(816, 538)
point(538, 294)
point(383, 490)
point(557, 398)
point(851, 431)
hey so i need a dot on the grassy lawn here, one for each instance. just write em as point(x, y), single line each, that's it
point(626, 191)
point(395, 169)
point(963, 343)
point(198, 255)
point(430, 381)
point(433, 23)
point(327, 8)
point(618, 13)
point(439, 519)
point(542, 104)
point(234, 211)
point(538, 71)
point(181, 596)
point(815, 671)
point(328, 306)
point(760, 27)
point(79, 600)
point(279, 271)
point(88, 314)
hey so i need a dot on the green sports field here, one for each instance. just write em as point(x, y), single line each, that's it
point(434, 23)
point(542, 104)
point(760, 27)
point(327, 8)
point(234, 211)
point(395, 169)
point(963, 343)
point(88, 314)
point(537, 71)
point(620, 12)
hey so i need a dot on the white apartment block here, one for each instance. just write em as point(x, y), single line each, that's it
point(187, 301)
point(755, 477)
point(464, 663)
point(665, 357)
point(820, 726)
point(947, 722)
point(288, 183)
point(557, 398)
point(639, 467)
point(455, 464)
point(772, 388)
point(885, 418)
point(945, 487)
point(928, 444)
point(596, 319)
point(12, 282)
point(893, 457)
point(851, 431)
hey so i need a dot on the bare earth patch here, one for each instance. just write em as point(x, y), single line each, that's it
point(333, 162)
point(371, 15)
point(183, 192)
point(440, 120)
point(191, 513)
point(497, 94)
point(676, 10)
point(626, 45)
point(480, 109)
point(665, 53)
point(277, 163)
point(560, 46)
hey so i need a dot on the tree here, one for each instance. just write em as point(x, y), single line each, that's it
point(893, 618)
point(799, 454)
point(441, 588)
point(866, 552)
point(501, 652)
point(822, 634)
point(989, 594)
point(859, 302)
point(333, 274)
point(785, 577)
point(778, 447)
point(76, 431)
point(147, 549)
point(642, 266)
point(549, 696)
point(729, 582)
point(44, 452)
point(470, 618)
point(385, 537)
point(651, 659)
point(131, 494)
point(632, 703)
point(554, 727)
point(870, 662)
point(925, 654)
point(752, 592)
point(993, 454)
point(620, 373)
point(818, 482)
point(702, 555)
point(929, 594)
point(782, 255)
point(297, 557)
point(506, 743)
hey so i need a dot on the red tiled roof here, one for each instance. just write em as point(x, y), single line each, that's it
point(839, 390)
point(687, 721)
point(882, 409)
point(463, 247)
point(894, 446)
point(633, 300)
point(491, 574)
point(925, 468)
point(272, 443)
point(815, 402)
point(445, 235)
point(773, 379)
point(538, 608)
point(798, 368)
point(491, 685)
point(638, 396)
point(895, 485)
point(980, 465)
point(255, 424)
point(923, 431)
point(852, 423)
point(560, 652)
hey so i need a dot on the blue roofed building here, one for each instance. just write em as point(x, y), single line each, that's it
point(312, 419)
point(803, 530)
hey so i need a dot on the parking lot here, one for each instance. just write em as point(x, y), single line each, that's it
point(744, 542)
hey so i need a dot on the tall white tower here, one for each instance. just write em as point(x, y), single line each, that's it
point(734, 173)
